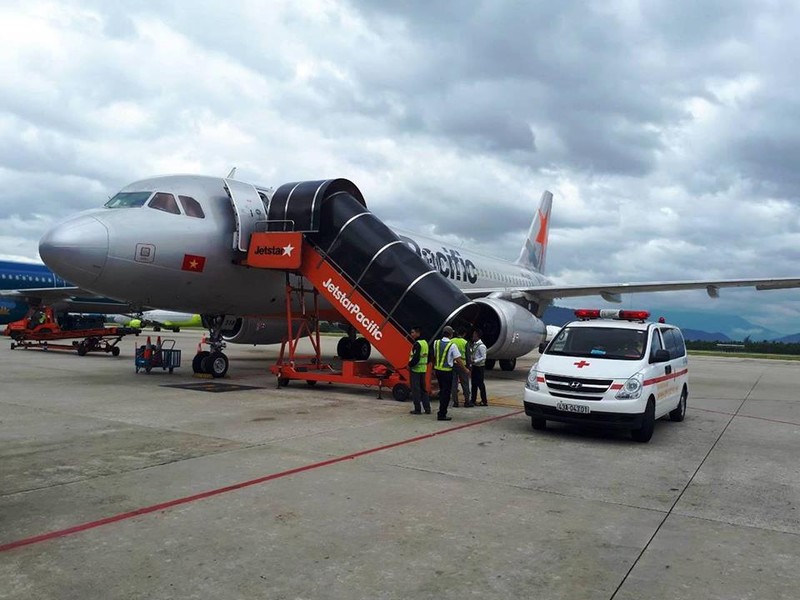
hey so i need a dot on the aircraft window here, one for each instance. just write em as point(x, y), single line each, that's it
point(128, 200)
point(192, 207)
point(165, 202)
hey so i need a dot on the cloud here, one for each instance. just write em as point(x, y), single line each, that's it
point(668, 131)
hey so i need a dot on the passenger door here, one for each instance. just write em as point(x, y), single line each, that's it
point(248, 209)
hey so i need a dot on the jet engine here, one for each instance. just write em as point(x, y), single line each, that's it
point(509, 330)
point(248, 330)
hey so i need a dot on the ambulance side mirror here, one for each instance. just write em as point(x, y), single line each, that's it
point(661, 356)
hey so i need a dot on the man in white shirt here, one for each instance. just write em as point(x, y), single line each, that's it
point(478, 365)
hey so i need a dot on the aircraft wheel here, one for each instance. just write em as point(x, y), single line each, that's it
point(216, 364)
point(539, 423)
point(344, 349)
point(401, 392)
point(489, 364)
point(361, 349)
point(115, 351)
point(156, 328)
point(645, 432)
point(508, 364)
point(197, 361)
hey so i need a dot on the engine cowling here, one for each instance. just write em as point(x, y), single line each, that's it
point(248, 330)
point(508, 329)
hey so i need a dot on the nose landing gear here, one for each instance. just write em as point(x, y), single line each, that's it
point(213, 362)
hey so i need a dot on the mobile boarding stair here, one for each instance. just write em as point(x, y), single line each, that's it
point(376, 282)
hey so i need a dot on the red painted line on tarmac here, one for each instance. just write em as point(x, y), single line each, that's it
point(236, 486)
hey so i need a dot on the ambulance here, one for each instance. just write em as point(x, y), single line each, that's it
point(611, 368)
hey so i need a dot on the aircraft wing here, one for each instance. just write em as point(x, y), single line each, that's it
point(73, 299)
point(612, 291)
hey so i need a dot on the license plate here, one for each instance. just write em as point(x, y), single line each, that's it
point(576, 408)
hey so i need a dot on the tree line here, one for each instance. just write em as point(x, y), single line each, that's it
point(763, 347)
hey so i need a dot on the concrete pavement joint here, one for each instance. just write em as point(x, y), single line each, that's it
point(236, 486)
point(685, 487)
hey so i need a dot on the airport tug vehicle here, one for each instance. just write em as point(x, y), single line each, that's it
point(40, 329)
point(610, 368)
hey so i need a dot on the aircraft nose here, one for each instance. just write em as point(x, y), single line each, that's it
point(76, 249)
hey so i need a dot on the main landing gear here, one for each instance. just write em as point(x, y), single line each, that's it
point(212, 362)
point(352, 347)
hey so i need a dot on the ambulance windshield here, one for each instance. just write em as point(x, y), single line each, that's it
point(599, 342)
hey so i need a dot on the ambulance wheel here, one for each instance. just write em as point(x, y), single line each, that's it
point(508, 364)
point(489, 364)
point(115, 351)
point(82, 350)
point(197, 361)
point(216, 364)
point(401, 392)
point(344, 349)
point(679, 413)
point(361, 349)
point(645, 432)
point(539, 423)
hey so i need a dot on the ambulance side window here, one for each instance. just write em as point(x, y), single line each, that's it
point(680, 346)
point(656, 344)
point(673, 342)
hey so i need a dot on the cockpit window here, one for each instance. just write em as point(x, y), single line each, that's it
point(128, 200)
point(192, 207)
point(165, 202)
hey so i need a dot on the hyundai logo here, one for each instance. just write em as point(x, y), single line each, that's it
point(575, 385)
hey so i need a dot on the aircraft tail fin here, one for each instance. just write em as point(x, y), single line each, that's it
point(534, 250)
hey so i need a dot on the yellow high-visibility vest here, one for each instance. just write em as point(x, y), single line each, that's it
point(440, 357)
point(422, 365)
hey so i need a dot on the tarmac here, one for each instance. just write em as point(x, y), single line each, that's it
point(118, 485)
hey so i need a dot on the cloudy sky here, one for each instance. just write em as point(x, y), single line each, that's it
point(669, 131)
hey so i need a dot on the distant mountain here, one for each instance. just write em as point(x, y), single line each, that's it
point(695, 335)
point(695, 325)
point(795, 337)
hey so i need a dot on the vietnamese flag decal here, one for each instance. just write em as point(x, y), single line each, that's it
point(192, 262)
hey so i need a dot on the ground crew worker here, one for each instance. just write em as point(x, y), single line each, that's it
point(460, 376)
point(418, 366)
point(445, 358)
point(478, 364)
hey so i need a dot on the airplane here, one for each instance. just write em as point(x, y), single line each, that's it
point(180, 242)
point(26, 284)
point(159, 319)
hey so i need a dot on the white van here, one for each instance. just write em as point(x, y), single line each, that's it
point(611, 368)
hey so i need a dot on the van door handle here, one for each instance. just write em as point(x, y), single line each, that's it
point(668, 369)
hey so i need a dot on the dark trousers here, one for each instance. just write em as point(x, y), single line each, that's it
point(419, 395)
point(477, 384)
point(445, 379)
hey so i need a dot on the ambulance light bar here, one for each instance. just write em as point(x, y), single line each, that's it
point(625, 315)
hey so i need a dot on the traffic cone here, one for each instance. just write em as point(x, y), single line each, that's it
point(148, 349)
point(158, 342)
